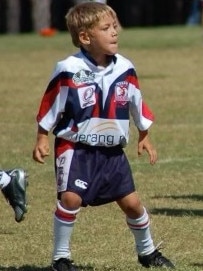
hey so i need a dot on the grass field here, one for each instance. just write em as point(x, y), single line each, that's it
point(169, 64)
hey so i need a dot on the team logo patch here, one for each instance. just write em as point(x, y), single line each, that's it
point(81, 184)
point(121, 92)
point(87, 96)
point(83, 77)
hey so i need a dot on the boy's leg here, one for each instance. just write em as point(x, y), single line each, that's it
point(141, 231)
point(13, 187)
point(138, 222)
point(64, 220)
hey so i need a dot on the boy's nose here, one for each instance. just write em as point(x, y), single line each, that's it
point(114, 33)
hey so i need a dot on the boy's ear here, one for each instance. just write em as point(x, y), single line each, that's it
point(84, 38)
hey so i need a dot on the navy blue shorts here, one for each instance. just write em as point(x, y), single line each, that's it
point(98, 175)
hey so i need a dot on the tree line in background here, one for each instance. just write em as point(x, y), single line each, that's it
point(20, 16)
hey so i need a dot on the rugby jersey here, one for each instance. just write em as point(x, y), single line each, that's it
point(90, 104)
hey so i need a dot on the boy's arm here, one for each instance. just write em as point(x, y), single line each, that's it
point(145, 144)
point(41, 149)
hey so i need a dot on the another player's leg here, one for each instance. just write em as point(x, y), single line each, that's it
point(15, 191)
point(138, 222)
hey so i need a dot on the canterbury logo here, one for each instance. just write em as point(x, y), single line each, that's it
point(81, 184)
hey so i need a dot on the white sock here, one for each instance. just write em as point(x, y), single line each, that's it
point(63, 226)
point(141, 231)
point(4, 179)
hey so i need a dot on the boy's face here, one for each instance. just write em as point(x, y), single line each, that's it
point(102, 39)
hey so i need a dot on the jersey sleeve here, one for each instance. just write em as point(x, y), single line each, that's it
point(54, 99)
point(140, 112)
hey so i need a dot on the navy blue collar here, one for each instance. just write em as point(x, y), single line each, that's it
point(91, 59)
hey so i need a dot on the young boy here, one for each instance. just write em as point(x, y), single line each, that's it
point(87, 104)
point(13, 185)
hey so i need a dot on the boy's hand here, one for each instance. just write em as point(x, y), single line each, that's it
point(41, 149)
point(145, 144)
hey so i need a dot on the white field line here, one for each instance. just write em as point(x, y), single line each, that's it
point(172, 160)
point(167, 160)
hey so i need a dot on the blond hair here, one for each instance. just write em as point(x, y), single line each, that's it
point(85, 16)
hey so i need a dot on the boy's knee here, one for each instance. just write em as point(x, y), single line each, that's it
point(131, 205)
point(70, 200)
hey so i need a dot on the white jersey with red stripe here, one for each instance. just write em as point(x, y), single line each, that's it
point(91, 104)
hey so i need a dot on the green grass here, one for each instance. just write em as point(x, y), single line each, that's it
point(169, 65)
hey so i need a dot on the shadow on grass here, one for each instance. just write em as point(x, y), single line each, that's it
point(196, 197)
point(35, 268)
point(197, 264)
point(177, 212)
point(25, 268)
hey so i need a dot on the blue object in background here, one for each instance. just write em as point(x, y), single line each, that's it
point(194, 17)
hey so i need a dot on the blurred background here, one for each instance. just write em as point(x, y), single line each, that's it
point(22, 16)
